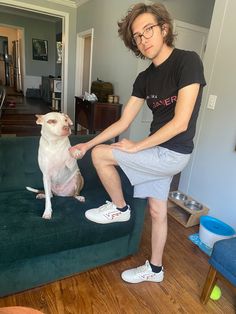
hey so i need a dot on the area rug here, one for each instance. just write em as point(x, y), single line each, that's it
point(196, 240)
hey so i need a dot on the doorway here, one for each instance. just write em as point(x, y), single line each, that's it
point(12, 62)
point(34, 11)
point(84, 52)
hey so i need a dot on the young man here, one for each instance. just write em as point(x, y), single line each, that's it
point(172, 87)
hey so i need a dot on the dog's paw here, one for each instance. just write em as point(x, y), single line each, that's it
point(80, 198)
point(40, 196)
point(47, 215)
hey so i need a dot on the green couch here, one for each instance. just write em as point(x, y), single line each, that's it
point(35, 251)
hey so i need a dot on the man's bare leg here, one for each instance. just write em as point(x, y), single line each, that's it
point(158, 211)
point(105, 163)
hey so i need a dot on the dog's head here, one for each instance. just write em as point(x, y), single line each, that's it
point(55, 124)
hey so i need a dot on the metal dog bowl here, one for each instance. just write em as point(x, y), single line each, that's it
point(193, 205)
point(178, 196)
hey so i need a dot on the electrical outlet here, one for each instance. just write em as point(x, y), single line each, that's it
point(211, 102)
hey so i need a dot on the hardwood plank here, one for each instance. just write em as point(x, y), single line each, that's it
point(101, 290)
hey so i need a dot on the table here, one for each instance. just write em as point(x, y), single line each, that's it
point(96, 116)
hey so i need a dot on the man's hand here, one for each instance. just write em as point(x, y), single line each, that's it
point(126, 146)
point(78, 151)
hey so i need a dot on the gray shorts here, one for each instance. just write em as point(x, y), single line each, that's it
point(151, 171)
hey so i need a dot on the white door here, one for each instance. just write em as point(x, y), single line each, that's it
point(84, 62)
point(189, 37)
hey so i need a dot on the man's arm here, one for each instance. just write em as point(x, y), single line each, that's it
point(130, 111)
point(184, 107)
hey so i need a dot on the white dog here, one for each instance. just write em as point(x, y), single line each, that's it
point(61, 175)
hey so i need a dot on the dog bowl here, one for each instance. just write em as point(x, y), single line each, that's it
point(178, 196)
point(212, 230)
point(193, 205)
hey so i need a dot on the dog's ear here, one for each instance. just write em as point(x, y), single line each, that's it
point(39, 119)
point(70, 122)
point(68, 119)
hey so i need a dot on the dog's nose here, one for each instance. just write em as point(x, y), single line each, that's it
point(66, 127)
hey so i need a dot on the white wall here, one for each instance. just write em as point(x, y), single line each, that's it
point(211, 175)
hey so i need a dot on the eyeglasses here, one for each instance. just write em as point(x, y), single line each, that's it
point(147, 33)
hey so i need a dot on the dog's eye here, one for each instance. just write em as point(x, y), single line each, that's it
point(52, 121)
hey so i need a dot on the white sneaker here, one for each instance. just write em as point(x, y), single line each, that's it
point(142, 273)
point(107, 214)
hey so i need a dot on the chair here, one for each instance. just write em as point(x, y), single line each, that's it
point(2, 99)
point(222, 266)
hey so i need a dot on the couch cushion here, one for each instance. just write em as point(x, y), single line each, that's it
point(24, 234)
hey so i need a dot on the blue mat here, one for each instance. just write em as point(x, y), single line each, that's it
point(196, 240)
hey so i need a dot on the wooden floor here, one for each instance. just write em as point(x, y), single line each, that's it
point(101, 290)
point(18, 117)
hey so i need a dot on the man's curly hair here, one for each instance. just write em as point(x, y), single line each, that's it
point(162, 17)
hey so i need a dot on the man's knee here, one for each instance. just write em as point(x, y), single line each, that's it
point(158, 209)
point(97, 153)
point(102, 155)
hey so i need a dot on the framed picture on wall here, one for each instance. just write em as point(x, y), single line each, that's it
point(40, 49)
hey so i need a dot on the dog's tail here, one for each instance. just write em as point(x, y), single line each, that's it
point(32, 189)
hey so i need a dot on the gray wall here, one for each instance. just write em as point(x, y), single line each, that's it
point(111, 60)
point(34, 28)
point(211, 175)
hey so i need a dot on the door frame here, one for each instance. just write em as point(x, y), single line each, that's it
point(80, 41)
point(196, 28)
point(65, 36)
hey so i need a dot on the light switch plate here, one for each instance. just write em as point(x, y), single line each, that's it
point(211, 102)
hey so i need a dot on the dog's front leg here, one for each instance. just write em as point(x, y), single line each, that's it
point(47, 189)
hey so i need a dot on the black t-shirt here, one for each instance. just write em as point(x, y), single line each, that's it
point(159, 86)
